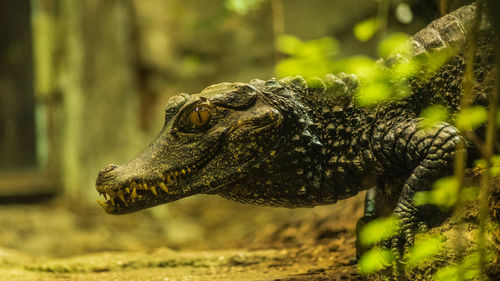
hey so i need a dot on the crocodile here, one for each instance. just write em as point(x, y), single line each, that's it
point(290, 143)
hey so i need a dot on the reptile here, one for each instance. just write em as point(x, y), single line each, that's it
point(287, 143)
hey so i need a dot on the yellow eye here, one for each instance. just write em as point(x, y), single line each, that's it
point(199, 117)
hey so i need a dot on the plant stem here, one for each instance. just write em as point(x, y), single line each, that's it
point(460, 158)
point(443, 7)
point(485, 191)
point(383, 15)
point(278, 24)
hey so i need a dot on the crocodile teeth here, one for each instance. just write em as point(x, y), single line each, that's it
point(163, 187)
point(133, 195)
point(145, 186)
point(153, 190)
point(105, 195)
point(122, 197)
point(103, 204)
point(127, 189)
point(112, 200)
point(168, 178)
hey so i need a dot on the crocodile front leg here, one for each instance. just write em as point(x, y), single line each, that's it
point(429, 153)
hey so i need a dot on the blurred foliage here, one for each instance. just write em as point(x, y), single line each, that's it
point(242, 7)
point(495, 167)
point(403, 13)
point(375, 260)
point(379, 82)
point(365, 30)
point(424, 249)
point(432, 115)
point(373, 93)
point(378, 230)
point(396, 42)
point(444, 194)
point(471, 118)
point(372, 233)
point(307, 58)
point(384, 81)
point(322, 56)
point(467, 270)
point(430, 64)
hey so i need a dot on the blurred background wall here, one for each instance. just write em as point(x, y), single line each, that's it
point(83, 84)
point(104, 69)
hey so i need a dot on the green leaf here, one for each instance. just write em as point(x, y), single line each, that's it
point(495, 165)
point(403, 13)
point(304, 67)
point(480, 163)
point(288, 44)
point(373, 93)
point(404, 68)
point(366, 29)
point(241, 6)
point(397, 42)
point(306, 58)
point(319, 48)
point(433, 62)
point(360, 65)
point(378, 230)
point(432, 115)
point(452, 273)
point(313, 49)
point(444, 193)
point(424, 249)
point(471, 117)
point(374, 260)
point(495, 168)
point(468, 269)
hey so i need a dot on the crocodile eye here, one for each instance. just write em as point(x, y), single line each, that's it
point(198, 117)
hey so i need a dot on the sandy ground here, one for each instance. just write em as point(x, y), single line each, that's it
point(207, 238)
point(204, 238)
point(319, 263)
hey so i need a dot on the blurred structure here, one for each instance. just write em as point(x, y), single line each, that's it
point(104, 70)
point(24, 174)
point(17, 145)
point(83, 84)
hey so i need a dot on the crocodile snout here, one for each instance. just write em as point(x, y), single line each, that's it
point(106, 175)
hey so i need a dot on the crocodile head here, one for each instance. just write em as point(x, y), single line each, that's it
point(210, 142)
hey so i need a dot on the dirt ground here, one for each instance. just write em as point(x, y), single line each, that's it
point(319, 263)
point(208, 238)
point(204, 238)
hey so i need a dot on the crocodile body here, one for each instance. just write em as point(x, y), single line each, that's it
point(284, 143)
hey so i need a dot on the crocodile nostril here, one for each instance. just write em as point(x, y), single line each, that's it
point(109, 168)
point(105, 175)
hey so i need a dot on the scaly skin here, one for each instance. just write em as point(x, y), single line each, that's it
point(284, 143)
